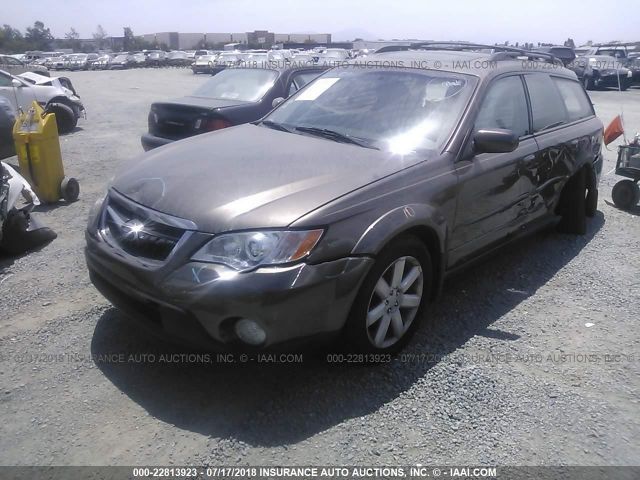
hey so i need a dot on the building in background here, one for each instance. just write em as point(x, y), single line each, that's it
point(255, 39)
point(261, 37)
point(376, 44)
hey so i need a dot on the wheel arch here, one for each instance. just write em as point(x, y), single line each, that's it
point(591, 175)
point(591, 182)
point(421, 221)
point(61, 100)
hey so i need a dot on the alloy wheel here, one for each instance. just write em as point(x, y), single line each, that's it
point(394, 302)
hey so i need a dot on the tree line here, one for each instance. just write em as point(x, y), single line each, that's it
point(38, 37)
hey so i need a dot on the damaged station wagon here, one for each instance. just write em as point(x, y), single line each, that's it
point(343, 210)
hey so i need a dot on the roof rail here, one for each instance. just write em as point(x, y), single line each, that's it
point(545, 57)
point(498, 52)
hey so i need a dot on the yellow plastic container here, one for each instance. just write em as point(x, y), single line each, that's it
point(35, 134)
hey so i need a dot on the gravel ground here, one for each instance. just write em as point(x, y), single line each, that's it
point(532, 358)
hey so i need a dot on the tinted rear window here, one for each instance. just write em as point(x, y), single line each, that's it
point(547, 105)
point(243, 84)
point(575, 98)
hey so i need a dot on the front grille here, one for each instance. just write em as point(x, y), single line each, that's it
point(137, 235)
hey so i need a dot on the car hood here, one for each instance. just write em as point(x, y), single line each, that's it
point(251, 177)
point(204, 102)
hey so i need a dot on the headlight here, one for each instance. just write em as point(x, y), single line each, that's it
point(246, 250)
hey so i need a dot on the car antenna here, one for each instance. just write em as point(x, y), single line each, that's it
point(15, 95)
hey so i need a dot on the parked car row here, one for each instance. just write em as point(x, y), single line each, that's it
point(201, 61)
point(600, 67)
point(15, 67)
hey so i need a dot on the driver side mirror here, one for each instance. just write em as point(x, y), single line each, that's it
point(277, 101)
point(16, 83)
point(495, 140)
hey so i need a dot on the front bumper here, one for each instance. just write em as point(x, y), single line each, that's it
point(613, 81)
point(198, 303)
point(201, 68)
point(151, 141)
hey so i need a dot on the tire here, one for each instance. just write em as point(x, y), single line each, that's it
point(371, 329)
point(70, 189)
point(573, 205)
point(625, 194)
point(17, 239)
point(66, 119)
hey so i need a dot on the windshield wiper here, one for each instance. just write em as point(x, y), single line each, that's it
point(333, 135)
point(275, 125)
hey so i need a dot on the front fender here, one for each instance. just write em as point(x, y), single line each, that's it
point(399, 220)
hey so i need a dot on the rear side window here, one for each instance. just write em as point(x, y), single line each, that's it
point(547, 105)
point(575, 98)
point(5, 81)
point(505, 106)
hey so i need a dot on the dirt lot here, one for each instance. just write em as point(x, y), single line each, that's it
point(534, 356)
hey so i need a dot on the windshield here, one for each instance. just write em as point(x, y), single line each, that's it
point(341, 54)
point(246, 85)
point(399, 110)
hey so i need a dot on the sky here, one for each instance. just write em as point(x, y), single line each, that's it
point(483, 21)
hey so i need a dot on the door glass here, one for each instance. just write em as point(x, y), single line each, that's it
point(575, 99)
point(547, 105)
point(5, 81)
point(505, 106)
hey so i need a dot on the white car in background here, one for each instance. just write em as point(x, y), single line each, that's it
point(16, 67)
point(333, 57)
point(58, 63)
point(304, 58)
point(81, 61)
point(54, 94)
point(101, 63)
point(204, 64)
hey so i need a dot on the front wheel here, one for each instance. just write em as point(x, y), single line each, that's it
point(66, 118)
point(388, 306)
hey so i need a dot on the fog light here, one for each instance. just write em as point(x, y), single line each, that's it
point(250, 332)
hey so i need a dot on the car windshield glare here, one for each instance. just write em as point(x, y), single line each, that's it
point(398, 110)
point(245, 85)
